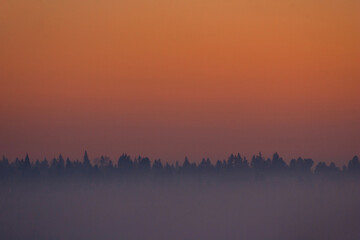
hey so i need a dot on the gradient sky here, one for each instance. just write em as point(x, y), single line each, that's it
point(166, 78)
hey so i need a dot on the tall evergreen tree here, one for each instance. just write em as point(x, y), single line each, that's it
point(86, 163)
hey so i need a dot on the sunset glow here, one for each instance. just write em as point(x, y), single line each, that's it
point(167, 79)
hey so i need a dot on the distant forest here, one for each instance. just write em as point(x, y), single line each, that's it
point(258, 168)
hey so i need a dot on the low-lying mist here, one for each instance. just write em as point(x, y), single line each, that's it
point(184, 209)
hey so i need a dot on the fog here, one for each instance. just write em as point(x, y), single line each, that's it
point(180, 210)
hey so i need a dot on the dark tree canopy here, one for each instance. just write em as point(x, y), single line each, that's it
point(235, 165)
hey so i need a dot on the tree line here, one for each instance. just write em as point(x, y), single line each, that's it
point(235, 165)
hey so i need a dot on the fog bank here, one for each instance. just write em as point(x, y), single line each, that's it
point(180, 210)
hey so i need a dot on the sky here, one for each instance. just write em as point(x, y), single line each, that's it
point(166, 78)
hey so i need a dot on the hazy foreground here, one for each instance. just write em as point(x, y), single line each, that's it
point(181, 210)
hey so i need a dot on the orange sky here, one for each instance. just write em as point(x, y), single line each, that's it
point(173, 78)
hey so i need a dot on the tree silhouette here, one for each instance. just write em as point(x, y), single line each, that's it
point(144, 163)
point(354, 166)
point(125, 163)
point(186, 164)
point(157, 165)
point(87, 163)
point(235, 166)
point(277, 163)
